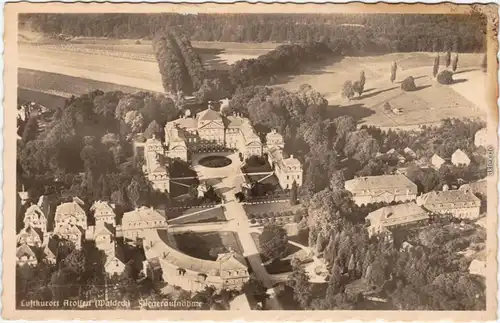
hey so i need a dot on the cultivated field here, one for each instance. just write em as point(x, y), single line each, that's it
point(85, 64)
point(429, 104)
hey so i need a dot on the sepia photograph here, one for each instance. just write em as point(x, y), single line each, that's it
point(237, 157)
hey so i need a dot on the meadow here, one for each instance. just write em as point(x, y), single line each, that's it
point(85, 64)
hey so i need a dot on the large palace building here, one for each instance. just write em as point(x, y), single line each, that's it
point(210, 130)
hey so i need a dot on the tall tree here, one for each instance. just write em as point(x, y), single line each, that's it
point(394, 68)
point(30, 129)
point(293, 194)
point(347, 90)
point(152, 129)
point(484, 63)
point(435, 67)
point(273, 241)
point(299, 282)
point(447, 59)
point(133, 192)
point(362, 79)
point(454, 63)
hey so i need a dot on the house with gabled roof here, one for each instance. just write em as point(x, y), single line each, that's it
point(70, 213)
point(115, 260)
point(35, 218)
point(50, 250)
point(410, 153)
point(26, 255)
point(481, 138)
point(460, 158)
point(103, 211)
point(393, 216)
point(479, 188)
point(274, 139)
point(104, 235)
point(478, 267)
point(383, 188)
point(143, 218)
point(71, 232)
point(437, 161)
point(32, 236)
point(461, 204)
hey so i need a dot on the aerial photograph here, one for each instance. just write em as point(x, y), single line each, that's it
point(243, 161)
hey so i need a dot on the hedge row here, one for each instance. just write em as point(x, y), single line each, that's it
point(280, 220)
point(266, 215)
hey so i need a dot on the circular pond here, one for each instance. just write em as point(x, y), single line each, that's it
point(215, 161)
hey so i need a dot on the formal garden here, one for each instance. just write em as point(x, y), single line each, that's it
point(208, 245)
point(274, 212)
point(215, 161)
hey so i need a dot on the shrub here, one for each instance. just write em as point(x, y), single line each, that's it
point(408, 84)
point(251, 215)
point(253, 221)
point(259, 221)
point(347, 90)
point(387, 107)
point(445, 77)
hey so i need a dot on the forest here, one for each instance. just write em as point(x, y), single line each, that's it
point(358, 33)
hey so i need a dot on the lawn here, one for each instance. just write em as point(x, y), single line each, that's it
point(428, 105)
point(208, 245)
point(202, 215)
point(256, 165)
point(179, 168)
point(266, 187)
point(121, 62)
point(180, 187)
point(65, 85)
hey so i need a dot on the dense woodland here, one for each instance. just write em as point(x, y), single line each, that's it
point(360, 33)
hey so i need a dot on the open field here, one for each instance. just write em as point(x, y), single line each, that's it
point(89, 63)
point(47, 100)
point(429, 104)
point(64, 85)
point(130, 67)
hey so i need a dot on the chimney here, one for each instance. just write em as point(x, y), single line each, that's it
point(291, 156)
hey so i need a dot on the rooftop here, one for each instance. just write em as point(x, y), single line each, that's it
point(451, 196)
point(143, 214)
point(104, 228)
point(480, 186)
point(69, 229)
point(69, 208)
point(398, 214)
point(116, 252)
point(24, 250)
point(209, 115)
point(379, 182)
point(155, 246)
point(102, 207)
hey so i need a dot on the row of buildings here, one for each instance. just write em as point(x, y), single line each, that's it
point(208, 131)
point(461, 203)
point(37, 242)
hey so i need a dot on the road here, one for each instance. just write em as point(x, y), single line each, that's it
point(238, 222)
